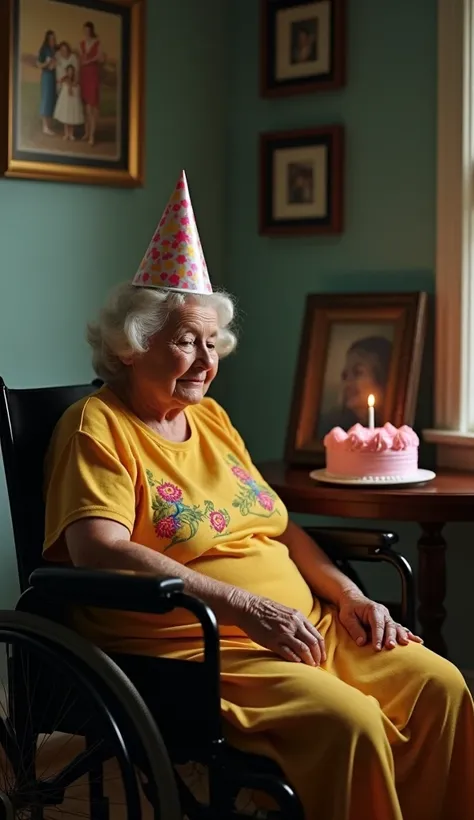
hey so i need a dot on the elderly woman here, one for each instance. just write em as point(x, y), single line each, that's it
point(148, 474)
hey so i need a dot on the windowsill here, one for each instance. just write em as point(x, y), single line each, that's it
point(451, 438)
point(454, 450)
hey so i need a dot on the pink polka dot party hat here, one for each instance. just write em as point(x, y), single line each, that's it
point(174, 258)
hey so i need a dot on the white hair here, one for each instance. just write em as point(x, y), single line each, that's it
point(132, 315)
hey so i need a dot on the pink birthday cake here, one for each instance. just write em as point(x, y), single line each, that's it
point(384, 453)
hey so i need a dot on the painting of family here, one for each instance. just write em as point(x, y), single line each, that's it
point(75, 90)
point(70, 84)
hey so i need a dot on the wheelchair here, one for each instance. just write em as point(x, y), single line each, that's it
point(110, 736)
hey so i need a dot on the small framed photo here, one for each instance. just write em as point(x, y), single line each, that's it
point(303, 44)
point(72, 90)
point(354, 346)
point(301, 181)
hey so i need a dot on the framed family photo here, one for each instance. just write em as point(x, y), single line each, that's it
point(354, 346)
point(303, 45)
point(301, 181)
point(71, 94)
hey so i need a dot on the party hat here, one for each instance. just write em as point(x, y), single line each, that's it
point(174, 259)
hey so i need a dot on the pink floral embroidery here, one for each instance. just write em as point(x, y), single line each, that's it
point(217, 521)
point(176, 521)
point(265, 501)
point(169, 492)
point(251, 493)
point(241, 474)
point(167, 527)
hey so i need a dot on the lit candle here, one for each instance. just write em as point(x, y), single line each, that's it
point(371, 407)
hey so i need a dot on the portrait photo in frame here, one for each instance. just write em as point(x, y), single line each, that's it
point(71, 93)
point(301, 181)
point(303, 44)
point(353, 346)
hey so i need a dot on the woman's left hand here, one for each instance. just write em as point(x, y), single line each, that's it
point(359, 615)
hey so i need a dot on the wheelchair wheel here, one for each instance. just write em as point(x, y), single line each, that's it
point(76, 738)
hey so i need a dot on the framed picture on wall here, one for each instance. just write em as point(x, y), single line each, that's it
point(71, 93)
point(354, 346)
point(301, 181)
point(303, 45)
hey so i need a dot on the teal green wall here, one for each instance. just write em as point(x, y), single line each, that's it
point(63, 246)
point(389, 111)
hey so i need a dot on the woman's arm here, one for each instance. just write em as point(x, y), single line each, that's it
point(104, 544)
point(323, 577)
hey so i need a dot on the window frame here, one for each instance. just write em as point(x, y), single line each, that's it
point(454, 339)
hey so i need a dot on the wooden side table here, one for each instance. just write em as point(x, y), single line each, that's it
point(450, 497)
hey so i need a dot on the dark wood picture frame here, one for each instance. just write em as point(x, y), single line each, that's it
point(332, 139)
point(405, 312)
point(121, 94)
point(334, 78)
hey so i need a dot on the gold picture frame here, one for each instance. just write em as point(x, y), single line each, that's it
point(72, 91)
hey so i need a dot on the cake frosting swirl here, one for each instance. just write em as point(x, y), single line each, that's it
point(383, 452)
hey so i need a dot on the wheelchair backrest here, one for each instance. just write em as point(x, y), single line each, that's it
point(27, 420)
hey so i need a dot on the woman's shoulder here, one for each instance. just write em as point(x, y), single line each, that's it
point(210, 410)
point(96, 415)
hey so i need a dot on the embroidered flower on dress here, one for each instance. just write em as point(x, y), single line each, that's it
point(241, 474)
point(176, 521)
point(169, 492)
point(251, 493)
point(217, 521)
point(265, 501)
point(167, 527)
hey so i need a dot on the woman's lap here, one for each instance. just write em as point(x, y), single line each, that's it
point(407, 711)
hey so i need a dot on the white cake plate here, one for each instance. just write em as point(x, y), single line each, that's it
point(418, 477)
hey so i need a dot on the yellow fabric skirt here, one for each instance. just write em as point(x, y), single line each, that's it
point(369, 736)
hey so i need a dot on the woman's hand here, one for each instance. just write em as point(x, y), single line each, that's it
point(359, 615)
point(283, 630)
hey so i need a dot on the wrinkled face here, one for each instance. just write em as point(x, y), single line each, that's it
point(181, 361)
point(358, 381)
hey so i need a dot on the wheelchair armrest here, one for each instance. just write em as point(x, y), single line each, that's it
point(129, 592)
point(352, 544)
point(107, 589)
point(342, 545)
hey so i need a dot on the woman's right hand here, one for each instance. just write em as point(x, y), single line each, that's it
point(281, 629)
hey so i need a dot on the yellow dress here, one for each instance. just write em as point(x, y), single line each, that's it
point(370, 736)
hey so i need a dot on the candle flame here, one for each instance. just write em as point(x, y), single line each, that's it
point(371, 400)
